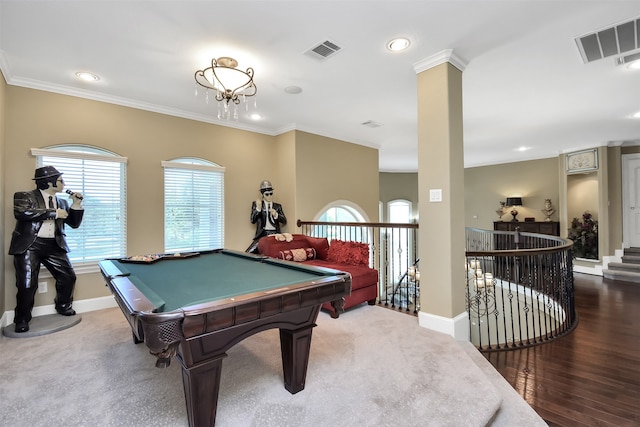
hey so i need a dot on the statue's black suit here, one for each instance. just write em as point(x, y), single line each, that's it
point(30, 210)
point(260, 218)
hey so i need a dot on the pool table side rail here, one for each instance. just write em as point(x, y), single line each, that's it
point(227, 313)
point(325, 285)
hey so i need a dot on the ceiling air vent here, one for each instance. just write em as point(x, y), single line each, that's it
point(615, 40)
point(323, 50)
point(371, 124)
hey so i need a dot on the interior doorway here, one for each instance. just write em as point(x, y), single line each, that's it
point(631, 200)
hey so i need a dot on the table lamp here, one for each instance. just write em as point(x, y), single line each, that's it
point(513, 202)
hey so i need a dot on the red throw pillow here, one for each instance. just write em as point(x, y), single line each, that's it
point(321, 245)
point(271, 247)
point(352, 253)
point(298, 255)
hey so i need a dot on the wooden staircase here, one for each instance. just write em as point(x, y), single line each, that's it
point(628, 270)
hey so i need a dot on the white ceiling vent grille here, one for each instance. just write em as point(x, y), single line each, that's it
point(615, 40)
point(323, 50)
point(371, 124)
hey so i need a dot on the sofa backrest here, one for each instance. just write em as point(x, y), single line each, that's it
point(272, 247)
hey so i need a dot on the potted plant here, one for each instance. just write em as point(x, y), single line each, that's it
point(585, 237)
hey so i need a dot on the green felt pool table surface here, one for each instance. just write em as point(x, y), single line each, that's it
point(174, 283)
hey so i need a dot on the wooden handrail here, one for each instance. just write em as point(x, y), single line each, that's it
point(300, 223)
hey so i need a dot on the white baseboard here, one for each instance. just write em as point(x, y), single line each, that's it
point(80, 306)
point(596, 268)
point(593, 266)
point(457, 327)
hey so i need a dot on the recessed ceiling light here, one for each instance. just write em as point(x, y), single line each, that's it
point(523, 148)
point(637, 115)
point(87, 77)
point(294, 90)
point(255, 116)
point(398, 44)
point(635, 65)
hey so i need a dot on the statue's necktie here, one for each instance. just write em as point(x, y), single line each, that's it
point(50, 202)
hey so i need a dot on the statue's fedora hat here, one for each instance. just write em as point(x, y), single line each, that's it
point(46, 172)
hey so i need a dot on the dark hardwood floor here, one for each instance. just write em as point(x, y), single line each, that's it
point(591, 376)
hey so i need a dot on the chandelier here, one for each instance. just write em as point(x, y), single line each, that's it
point(480, 298)
point(230, 85)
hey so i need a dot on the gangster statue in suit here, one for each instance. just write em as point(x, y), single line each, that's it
point(39, 238)
point(266, 214)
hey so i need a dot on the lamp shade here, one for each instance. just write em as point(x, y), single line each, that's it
point(514, 201)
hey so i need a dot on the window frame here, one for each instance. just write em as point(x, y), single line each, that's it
point(202, 165)
point(91, 153)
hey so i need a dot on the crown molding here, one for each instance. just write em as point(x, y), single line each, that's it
point(447, 55)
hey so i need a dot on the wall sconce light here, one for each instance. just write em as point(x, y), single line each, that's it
point(513, 202)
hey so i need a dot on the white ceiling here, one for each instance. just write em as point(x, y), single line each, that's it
point(524, 83)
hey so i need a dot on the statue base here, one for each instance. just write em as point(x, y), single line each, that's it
point(43, 325)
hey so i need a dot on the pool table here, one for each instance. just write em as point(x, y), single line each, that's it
point(196, 306)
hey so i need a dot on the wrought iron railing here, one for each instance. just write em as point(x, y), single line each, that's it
point(393, 251)
point(519, 288)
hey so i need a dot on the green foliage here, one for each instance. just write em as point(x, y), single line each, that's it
point(585, 237)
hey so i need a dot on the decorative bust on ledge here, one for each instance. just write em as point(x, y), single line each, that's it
point(500, 210)
point(548, 210)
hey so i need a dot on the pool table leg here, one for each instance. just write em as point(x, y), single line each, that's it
point(201, 386)
point(295, 346)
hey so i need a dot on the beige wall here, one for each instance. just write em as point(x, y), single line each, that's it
point(534, 180)
point(284, 173)
point(308, 172)
point(328, 170)
point(582, 195)
point(615, 193)
point(38, 119)
point(394, 186)
point(441, 167)
point(3, 198)
point(486, 186)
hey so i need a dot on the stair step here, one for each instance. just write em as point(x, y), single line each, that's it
point(631, 259)
point(627, 266)
point(632, 251)
point(626, 276)
point(514, 410)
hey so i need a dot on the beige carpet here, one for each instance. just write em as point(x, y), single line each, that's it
point(370, 367)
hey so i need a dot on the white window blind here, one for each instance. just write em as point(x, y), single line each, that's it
point(101, 178)
point(193, 205)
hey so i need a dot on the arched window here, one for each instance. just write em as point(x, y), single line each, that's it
point(100, 176)
point(193, 205)
point(399, 211)
point(343, 211)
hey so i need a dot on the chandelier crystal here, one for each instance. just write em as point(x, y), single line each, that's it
point(230, 85)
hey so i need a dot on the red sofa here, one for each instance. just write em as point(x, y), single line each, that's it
point(352, 257)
